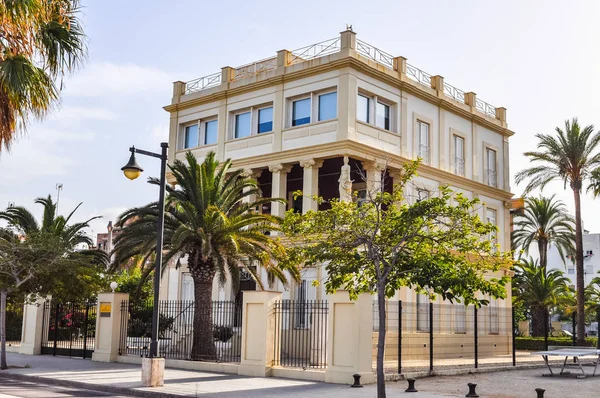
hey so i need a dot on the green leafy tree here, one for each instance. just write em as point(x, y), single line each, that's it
point(438, 246)
point(545, 222)
point(40, 42)
point(569, 156)
point(541, 290)
point(206, 220)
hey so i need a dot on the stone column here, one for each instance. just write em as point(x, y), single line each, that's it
point(374, 171)
point(310, 184)
point(108, 326)
point(33, 327)
point(279, 187)
point(253, 174)
point(258, 334)
point(349, 342)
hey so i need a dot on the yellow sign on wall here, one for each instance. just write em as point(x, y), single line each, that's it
point(105, 309)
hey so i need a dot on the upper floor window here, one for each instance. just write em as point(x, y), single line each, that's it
point(191, 136)
point(243, 128)
point(265, 120)
point(494, 318)
point(423, 141)
point(490, 217)
point(459, 155)
point(301, 112)
point(203, 132)
point(367, 106)
point(422, 312)
point(362, 108)
point(382, 116)
point(328, 106)
point(460, 318)
point(491, 175)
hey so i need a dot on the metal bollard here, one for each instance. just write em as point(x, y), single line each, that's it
point(540, 392)
point(472, 392)
point(411, 386)
point(356, 381)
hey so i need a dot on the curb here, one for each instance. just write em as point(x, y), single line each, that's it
point(460, 371)
point(90, 386)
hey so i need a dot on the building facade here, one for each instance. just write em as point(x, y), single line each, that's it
point(292, 121)
point(591, 260)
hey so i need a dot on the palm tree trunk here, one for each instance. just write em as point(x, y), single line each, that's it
point(543, 249)
point(3, 364)
point(580, 284)
point(203, 344)
point(537, 321)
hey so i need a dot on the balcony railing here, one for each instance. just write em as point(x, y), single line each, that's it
point(375, 54)
point(492, 179)
point(454, 93)
point(315, 51)
point(459, 166)
point(418, 75)
point(424, 153)
point(255, 68)
point(202, 83)
point(485, 108)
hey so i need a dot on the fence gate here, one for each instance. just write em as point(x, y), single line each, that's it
point(69, 329)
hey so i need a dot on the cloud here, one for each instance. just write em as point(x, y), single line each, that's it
point(71, 114)
point(106, 79)
point(30, 162)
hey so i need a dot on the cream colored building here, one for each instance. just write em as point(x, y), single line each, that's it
point(289, 121)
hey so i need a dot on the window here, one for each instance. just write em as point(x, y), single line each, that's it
point(362, 108)
point(422, 313)
point(265, 120)
point(382, 116)
point(588, 253)
point(460, 318)
point(491, 167)
point(459, 155)
point(301, 112)
point(191, 136)
point(589, 269)
point(494, 321)
point(423, 140)
point(490, 216)
point(210, 132)
point(242, 125)
point(327, 106)
point(571, 271)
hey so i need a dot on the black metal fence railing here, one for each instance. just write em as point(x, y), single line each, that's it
point(69, 328)
point(219, 339)
point(300, 333)
point(14, 324)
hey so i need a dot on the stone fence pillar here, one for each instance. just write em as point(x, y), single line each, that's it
point(108, 326)
point(33, 326)
point(349, 343)
point(258, 334)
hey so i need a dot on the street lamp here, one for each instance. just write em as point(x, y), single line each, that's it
point(132, 171)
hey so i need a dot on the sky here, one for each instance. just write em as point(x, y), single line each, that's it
point(539, 59)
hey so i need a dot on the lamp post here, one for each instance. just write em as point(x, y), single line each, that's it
point(132, 171)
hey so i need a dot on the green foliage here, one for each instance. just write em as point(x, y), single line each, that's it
point(222, 333)
point(131, 281)
point(140, 324)
point(539, 287)
point(537, 343)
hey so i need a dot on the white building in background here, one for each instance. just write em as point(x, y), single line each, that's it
point(591, 259)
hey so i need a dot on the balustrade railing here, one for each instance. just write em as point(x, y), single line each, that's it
point(315, 51)
point(418, 75)
point(255, 68)
point(202, 83)
point(454, 93)
point(375, 54)
point(485, 108)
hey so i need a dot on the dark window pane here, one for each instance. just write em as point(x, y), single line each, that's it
point(301, 112)
point(242, 125)
point(265, 120)
point(191, 136)
point(383, 116)
point(328, 106)
point(362, 109)
point(210, 133)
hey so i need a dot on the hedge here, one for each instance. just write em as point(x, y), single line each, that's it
point(537, 343)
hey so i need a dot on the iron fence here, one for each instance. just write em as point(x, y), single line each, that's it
point(300, 333)
point(14, 324)
point(69, 328)
point(219, 339)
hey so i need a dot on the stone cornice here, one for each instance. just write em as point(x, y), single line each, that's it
point(388, 76)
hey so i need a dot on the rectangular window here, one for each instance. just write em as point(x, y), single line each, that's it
point(362, 108)
point(301, 112)
point(589, 269)
point(571, 271)
point(490, 216)
point(460, 318)
point(328, 106)
point(242, 125)
point(191, 136)
point(423, 140)
point(459, 155)
point(422, 313)
point(265, 120)
point(210, 132)
point(491, 167)
point(382, 116)
point(494, 319)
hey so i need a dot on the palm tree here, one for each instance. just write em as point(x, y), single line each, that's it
point(40, 42)
point(207, 220)
point(570, 157)
point(539, 289)
point(545, 222)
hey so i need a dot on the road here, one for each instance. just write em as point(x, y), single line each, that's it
point(10, 388)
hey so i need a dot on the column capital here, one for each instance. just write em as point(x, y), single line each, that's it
point(252, 173)
point(310, 163)
point(395, 173)
point(280, 168)
point(379, 165)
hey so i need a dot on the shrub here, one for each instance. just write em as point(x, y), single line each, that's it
point(537, 343)
point(222, 333)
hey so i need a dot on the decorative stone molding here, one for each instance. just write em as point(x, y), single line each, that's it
point(278, 168)
point(310, 163)
point(252, 173)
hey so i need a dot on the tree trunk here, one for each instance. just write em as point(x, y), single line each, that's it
point(203, 343)
point(381, 340)
point(3, 364)
point(537, 321)
point(580, 286)
point(543, 249)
